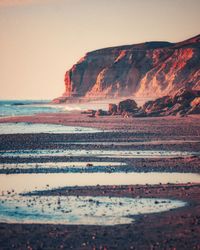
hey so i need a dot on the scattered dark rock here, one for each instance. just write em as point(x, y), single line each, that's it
point(112, 108)
point(88, 112)
point(184, 101)
point(127, 105)
point(101, 112)
point(89, 165)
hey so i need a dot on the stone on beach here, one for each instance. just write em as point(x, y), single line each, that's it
point(100, 112)
point(112, 108)
point(127, 105)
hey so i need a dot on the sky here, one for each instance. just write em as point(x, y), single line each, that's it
point(41, 39)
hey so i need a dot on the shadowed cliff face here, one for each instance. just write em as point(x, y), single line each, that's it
point(151, 69)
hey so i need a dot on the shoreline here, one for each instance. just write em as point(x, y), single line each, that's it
point(102, 122)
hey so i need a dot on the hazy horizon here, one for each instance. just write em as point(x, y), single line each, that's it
point(41, 39)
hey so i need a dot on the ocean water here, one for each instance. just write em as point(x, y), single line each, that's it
point(12, 108)
point(27, 107)
point(30, 107)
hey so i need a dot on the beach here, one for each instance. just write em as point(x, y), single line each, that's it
point(171, 144)
point(99, 125)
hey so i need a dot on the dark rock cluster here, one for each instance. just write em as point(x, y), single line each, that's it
point(125, 108)
point(183, 102)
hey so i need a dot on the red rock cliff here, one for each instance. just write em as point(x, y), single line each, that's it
point(151, 69)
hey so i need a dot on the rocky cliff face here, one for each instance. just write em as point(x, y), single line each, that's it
point(151, 69)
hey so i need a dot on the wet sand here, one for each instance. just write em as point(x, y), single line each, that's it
point(176, 229)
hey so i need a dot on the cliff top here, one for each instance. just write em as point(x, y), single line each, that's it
point(191, 42)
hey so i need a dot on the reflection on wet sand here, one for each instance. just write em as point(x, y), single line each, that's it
point(28, 127)
point(97, 153)
point(29, 182)
point(130, 143)
point(47, 165)
point(79, 210)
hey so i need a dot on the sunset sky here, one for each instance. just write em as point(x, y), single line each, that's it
point(41, 39)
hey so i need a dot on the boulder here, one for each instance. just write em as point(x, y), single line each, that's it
point(127, 105)
point(184, 96)
point(112, 108)
point(175, 109)
point(101, 112)
point(195, 106)
point(158, 105)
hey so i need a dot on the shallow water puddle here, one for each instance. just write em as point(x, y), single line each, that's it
point(28, 182)
point(15, 208)
point(97, 153)
point(130, 143)
point(26, 128)
point(58, 165)
point(80, 210)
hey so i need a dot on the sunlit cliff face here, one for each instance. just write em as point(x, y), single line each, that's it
point(145, 70)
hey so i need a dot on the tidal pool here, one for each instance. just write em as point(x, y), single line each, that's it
point(84, 210)
point(129, 143)
point(49, 165)
point(26, 128)
point(19, 183)
point(18, 208)
point(97, 153)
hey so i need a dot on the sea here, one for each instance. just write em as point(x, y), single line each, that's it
point(27, 107)
point(10, 108)
point(13, 108)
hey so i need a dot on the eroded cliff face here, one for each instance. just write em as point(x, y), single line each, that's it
point(152, 69)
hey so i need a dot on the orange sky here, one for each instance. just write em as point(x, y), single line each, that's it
point(41, 39)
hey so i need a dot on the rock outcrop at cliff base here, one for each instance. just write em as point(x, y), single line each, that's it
point(183, 102)
point(151, 69)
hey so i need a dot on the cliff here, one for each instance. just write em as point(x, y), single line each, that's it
point(151, 69)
